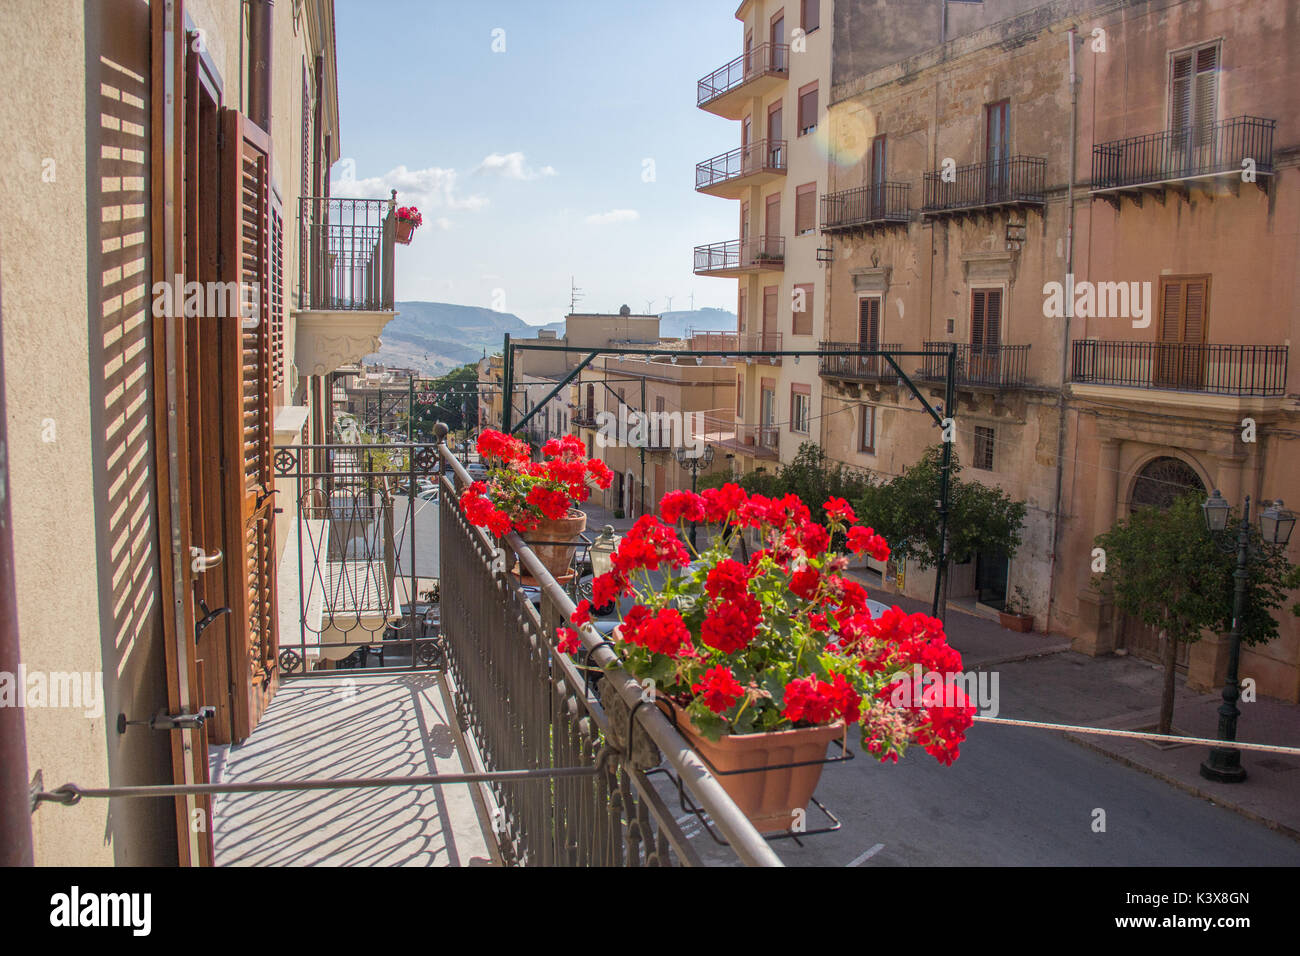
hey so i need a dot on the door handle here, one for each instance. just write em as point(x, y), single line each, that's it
point(201, 562)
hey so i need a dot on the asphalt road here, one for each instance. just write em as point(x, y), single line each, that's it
point(1016, 797)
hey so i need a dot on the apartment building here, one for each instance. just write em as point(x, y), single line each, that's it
point(684, 399)
point(190, 157)
point(970, 187)
point(776, 90)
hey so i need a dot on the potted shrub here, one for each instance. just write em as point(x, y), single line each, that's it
point(535, 498)
point(408, 219)
point(764, 663)
point(1015, 614)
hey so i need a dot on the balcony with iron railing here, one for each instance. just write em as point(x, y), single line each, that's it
point(718, 427)
point(991, 367)
point(761, 341)
point(1017, 181)
point(739, 257)
point(1209, 369)
point(726, 91)
point(866, 207)
point(710, 340)
point(1170, 159)
point(753, 164)
point(346, 279)
point(834, 363)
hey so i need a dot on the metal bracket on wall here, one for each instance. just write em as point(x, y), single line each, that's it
point(36, 787)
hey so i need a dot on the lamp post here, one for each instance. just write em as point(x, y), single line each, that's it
point(694, 464)
point(601, 554)
point(1275, 525)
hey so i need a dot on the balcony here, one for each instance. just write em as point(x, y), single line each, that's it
point(979, 187)
point(713, 341)
point(739, 257)
point(1231, 370)
point(993, 367)
point(866, 207)
point(857, 368)
point(730, 174)
point(719, 428)
point(346, 280)
point(726, 91)
point(1172, 159)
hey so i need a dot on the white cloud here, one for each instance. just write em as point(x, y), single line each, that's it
point(614, 215)
point(512, 166)
point(442, 222)
point(430, 188)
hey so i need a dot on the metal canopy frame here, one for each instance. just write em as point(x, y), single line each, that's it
point(937, 414)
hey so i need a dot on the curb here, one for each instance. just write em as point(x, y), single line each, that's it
point(1017, 658)
point(1186, 787)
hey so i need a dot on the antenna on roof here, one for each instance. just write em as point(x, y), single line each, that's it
point(574, 295)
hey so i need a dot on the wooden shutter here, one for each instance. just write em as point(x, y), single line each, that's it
point(1180, 93)
point(277, 295)
point(774, 122)
point(802, 322)
point(246, 377)
point(740, 313)
point(769, 312)
point(1184, 314)
point(805, 209)
point(869, 322)
point(811, 10)
point(985, 317)
point(807, 108)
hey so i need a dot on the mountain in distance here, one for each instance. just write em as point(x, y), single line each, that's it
point(436, 337)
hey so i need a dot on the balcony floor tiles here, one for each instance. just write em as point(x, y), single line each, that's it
point(371, 725)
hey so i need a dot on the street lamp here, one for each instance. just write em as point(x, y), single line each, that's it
point(695, 464)
point(1275, 525)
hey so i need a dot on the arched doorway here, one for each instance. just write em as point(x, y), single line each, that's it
point(1159, 483)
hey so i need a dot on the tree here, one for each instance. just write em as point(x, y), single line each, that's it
point(1163, 568)
point(905, 510)
point(457, 405)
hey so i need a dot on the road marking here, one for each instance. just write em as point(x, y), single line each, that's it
point(868, 855)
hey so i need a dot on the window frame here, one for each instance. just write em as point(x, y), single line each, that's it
point(809, 292)
point(805, 90)
point(985, 436)
point(867, 417)
point(803, 16)
point(800, 193)
point(800, 395)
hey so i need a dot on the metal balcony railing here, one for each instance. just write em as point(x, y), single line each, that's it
point(987, 366)
point(348, 254)
point(1003, 182)
point(760, 60)
point(761, 342)
point(1182, 366)
point(524, 705)
point(719, 427)
point(1173, 155)
point(865, 206)
point(862, 368)
point(762, 252)
point(708, 340)
point(757, 157)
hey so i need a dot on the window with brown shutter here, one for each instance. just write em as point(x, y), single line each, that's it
point(805, 209)
point(869, 322)
point(802, 318)
point(774, 122)
point(867, 430)
point(1194, 96)
point(740, 311)
point(985, 319)
point(769, 314)
point(1184, 318)
point(807, 108)
point(246, 415)
point(277, 297)
point(810, 15)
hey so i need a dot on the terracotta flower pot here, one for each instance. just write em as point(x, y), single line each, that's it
point(768, 798)
point(557, 557)
point(1024, 623)
point(405, 230)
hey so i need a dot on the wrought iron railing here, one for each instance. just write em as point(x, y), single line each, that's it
point(758, 61)
point(365, 556)
point(523, 704)
point(990, 366)
point(1020, 179)
point(758, 157)
point(832, 363)
point(1171, 155)
point(712, 340)
point(719, 427)
point(348, 253)
point(1182, 366)
point(870, 205)
point(762, 252)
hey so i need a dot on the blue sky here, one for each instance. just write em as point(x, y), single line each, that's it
point(528, 164)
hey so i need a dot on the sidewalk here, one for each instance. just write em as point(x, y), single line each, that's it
point(1040, 678)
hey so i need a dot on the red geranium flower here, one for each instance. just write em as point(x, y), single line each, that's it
point(719, 689)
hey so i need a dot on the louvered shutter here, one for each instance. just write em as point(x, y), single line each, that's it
point(977, 308)
point(277, 294)
point(246, 370)
point(869, 323)
point(1207, 94)
point(992, 318)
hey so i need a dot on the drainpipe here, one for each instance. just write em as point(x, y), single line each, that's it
point(1068, 287)
point(15, 801)
point(259, 62)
